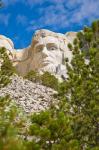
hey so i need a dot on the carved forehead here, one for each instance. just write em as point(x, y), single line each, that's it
point(44, 33)
point(46, 36)
point(47, 40)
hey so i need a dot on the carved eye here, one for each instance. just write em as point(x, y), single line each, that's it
point(39, 49)
point(52, 48)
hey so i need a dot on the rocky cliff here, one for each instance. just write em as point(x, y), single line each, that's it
point(46, 52)
point(29, 96)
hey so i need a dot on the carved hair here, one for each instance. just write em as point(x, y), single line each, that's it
point(44, 33)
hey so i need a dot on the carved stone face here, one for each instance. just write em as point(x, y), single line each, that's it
point(47, 54)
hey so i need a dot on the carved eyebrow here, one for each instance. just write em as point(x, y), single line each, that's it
point(52, 44)
point(38, 46)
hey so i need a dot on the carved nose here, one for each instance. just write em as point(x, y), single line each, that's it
point(45, 52)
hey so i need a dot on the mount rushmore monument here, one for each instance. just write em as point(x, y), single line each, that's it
point(46, 52)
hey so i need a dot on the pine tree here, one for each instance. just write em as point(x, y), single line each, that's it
point(82, 89)
point(74, 123)
point(53, 131)
point(6, 68)
point(45, 79)
point(10, 122)
point(10, 126)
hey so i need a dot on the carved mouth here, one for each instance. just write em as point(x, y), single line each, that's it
point(45, 63)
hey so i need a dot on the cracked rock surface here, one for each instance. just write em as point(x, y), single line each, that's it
point(31, 97)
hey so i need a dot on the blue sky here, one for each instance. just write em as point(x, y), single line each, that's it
point(20, 18)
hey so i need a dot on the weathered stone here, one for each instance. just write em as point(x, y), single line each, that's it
point(46, 53)
point(27, 95)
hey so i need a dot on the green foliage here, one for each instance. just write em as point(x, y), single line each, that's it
point(74, 123)
point(46, 79)
point(49, 80)
point(6, 68)
point(33, 76)
point(89, 37)
point(9, 126)
point(53, 131)
point(70, 46)
point(81, 90)
point(75, 42)
point(95, 26)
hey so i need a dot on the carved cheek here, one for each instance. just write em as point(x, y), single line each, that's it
point(37, 60)
point(37, 57)
point(45, 52)
point(58, 56)
point(52, 53)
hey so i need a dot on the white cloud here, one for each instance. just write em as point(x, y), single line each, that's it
point(89, 10)
point(4, 19)
point(53, 16)
point(62, 13)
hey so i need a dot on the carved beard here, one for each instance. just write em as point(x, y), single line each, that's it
point(50, 68)
point(48, 63)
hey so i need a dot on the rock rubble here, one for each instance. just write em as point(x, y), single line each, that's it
point(31, 97)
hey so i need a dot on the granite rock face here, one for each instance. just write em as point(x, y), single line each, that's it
point(31, 97)
point(46, 52)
